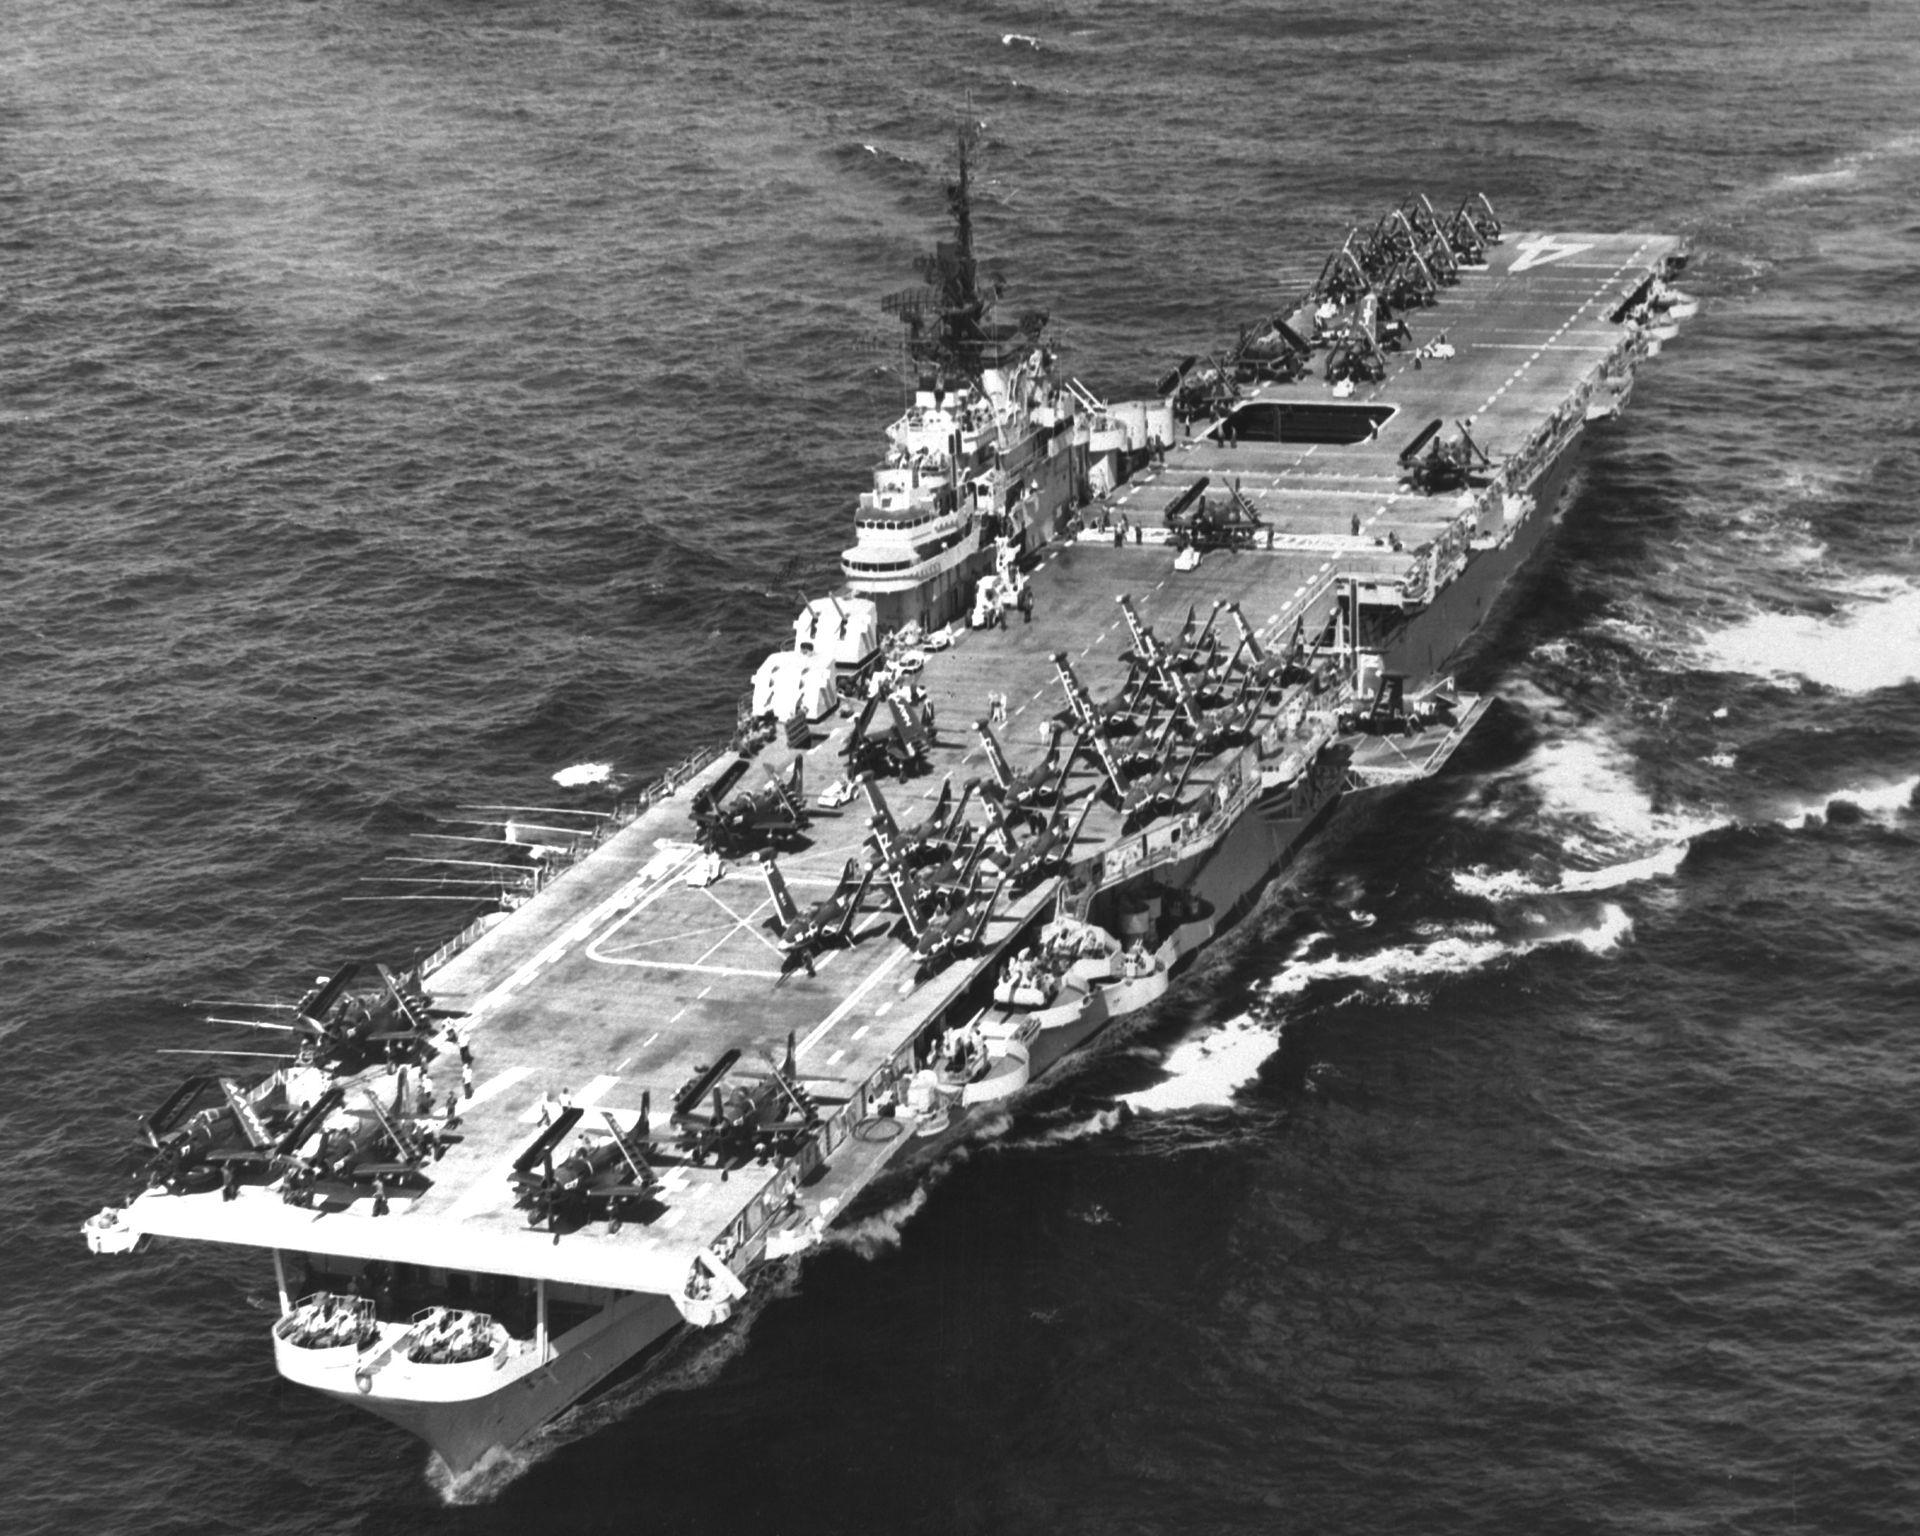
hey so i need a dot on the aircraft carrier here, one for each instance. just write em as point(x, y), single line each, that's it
point(1098, 672)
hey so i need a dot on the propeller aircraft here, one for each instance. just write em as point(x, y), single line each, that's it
point(199, 1145)
point(1447, 465)
point(346, 1029)
point(605, 1175)
point(899, 745)
point(775, 814)
point(1230, 523)
point(755, 1120)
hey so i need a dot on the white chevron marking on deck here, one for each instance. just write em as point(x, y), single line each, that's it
point(1542, 249)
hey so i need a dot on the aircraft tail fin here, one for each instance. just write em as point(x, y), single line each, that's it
point(995, 756)
point(850, 913)
point(883, 821)
point(903, 898)
point(783, 903)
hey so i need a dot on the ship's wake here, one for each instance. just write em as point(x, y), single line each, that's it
point(1395, 971)
point(1071, 1125)
point(1206, 1070)
point(491, 1476)
point(874, 1235)
point(693, 1359)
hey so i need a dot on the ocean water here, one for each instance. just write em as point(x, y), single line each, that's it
point(403, 402)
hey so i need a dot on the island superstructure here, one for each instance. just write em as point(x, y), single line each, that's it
point(988, 802)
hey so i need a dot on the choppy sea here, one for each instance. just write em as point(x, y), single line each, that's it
point(402, 401)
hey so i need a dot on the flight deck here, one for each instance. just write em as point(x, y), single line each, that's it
point(627, 976)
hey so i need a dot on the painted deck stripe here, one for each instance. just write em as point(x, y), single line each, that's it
point(493, 1087)
point(853, 999)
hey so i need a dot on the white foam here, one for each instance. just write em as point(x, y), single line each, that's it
point(584, 773)
point(1096, 1124)
point(1496, 884)
point(1588, 778)
point(1208, 1068)
point(1664, 861)
point(1613, 930)
point(1866, 645)
point(487, 1478)
point(1585, 784)
point(1873, 799)
point(1454, 955)
point(1801, 551)
point(1878, 800)
point(880, 1232)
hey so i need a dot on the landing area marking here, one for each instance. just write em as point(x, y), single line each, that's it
point(721, 937)
point(1538, 250)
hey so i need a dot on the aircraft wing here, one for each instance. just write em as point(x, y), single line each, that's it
point(547, 1140)
point(331, 993)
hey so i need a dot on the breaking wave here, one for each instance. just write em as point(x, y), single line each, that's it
point(1208, 1068)
point(1867, 801)
point(1586, 780)
point(1875, 800)
point(1867, 644)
